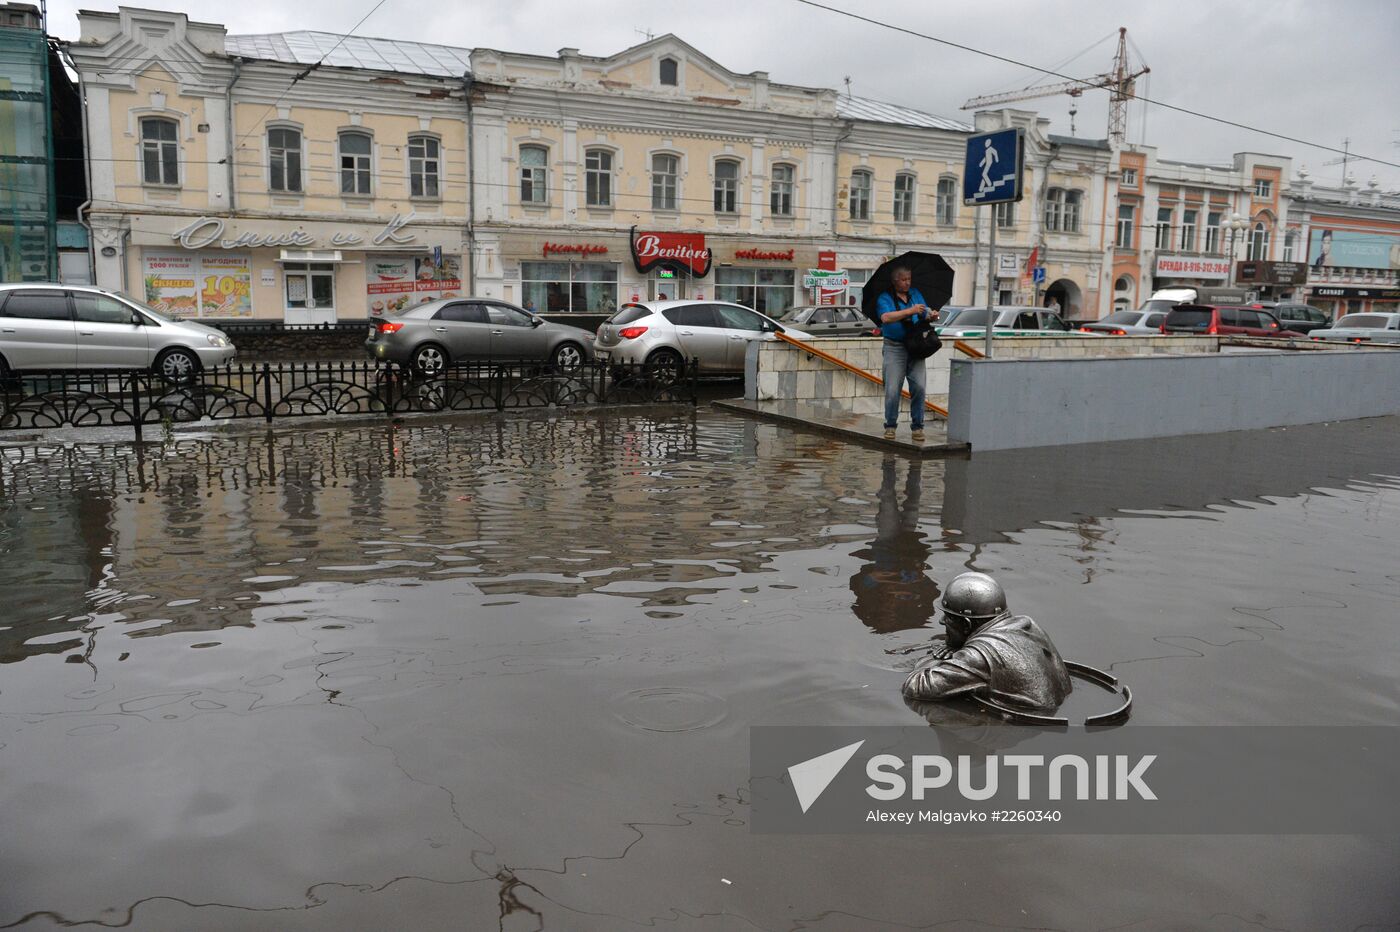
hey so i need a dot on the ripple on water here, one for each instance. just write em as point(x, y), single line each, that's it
point(669, 708)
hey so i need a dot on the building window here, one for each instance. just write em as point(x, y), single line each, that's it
point(860, 195)
point(1124, 239)
point(1213, 233)
point(1005, 213)
point(309, 285)
point(1073, 201)
point(160, 151)
point(284, 159)
point(903, 198)
point(769, 291)
point(354, 163)
point(1290, 240)
point(1188, 231)
point(569, 287)
point(597, 172)
point(424, 166)
point(1062, 210)
point(943, 204)
point(1129, 177)
point(665, 172)
point(780, 204)
point(1263, 187)
point(856, 289)
point(1164, 228)
point(670, 70)
point(1259, 241)
point(726, 187)
point(534, 168)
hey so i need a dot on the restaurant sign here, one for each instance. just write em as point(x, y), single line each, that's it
point(680, 252)
point(577, 249)
point(784, 255)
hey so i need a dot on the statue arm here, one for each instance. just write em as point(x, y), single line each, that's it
point(947, 677)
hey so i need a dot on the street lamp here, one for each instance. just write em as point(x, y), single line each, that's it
point(1236, 224)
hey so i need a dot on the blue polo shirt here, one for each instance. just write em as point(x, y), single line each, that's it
point(886, 303)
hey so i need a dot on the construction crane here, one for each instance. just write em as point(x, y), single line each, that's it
point(1119, 82)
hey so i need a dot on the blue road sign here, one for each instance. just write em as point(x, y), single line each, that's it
point(1038, 275)
point(992, 167)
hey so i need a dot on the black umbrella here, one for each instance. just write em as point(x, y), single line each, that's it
point(933, 277)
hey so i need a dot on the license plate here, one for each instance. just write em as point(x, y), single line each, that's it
point(373, 331)
point(601, 354)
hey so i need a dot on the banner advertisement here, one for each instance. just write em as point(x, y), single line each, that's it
point(1344, 249)
point(396, 282)
point(1202, 268)
point(186, 286)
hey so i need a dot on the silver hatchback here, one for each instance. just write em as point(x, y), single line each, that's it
point(661, 334)
point(430, 337)
point(45, 326)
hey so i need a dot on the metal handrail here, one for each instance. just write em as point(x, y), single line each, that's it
point(854, 370)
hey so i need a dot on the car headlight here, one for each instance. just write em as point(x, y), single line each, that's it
point(216, 339)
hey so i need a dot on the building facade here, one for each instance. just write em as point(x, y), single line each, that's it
point(1346, 238)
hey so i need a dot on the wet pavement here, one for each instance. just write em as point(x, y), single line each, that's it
point(498, 672)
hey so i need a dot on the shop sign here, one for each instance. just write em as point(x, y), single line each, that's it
point(1375, 294)
point(1008, 266)
point(208, 233)
point(182, 285)
point(578, 249)
point(821, 278)
point(1350, 249)
point(785, 256)
point(678, 251)
point(395, 282)
point(1204, 268)
point(1271, 273)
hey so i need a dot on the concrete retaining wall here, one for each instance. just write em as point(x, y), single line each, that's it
point(1004, 403)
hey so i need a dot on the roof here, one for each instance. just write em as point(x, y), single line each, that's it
point(1076, 141)
point(877, 111)
point(308, 48)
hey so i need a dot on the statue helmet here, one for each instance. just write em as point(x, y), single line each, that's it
point(975, 597)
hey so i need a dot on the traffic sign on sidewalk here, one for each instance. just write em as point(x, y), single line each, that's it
point(992, 168)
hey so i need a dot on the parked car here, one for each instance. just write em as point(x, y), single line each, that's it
point(843, 320)
point(432, 336)
point(1009, 321)
point(51, 326)
point(1142, 322)
point(1225, 321)
point(1303, 318)
point(661, 334)
point(1362, 328)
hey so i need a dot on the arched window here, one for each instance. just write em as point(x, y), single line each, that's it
point(665, 177)
point(726, 187)
point(284, 159)
point(783, 180)
point(424, 166)
point(945, 205)
point(534, 172)
point(904, 198)
point(1259, 241)
point(355, 163)
point(597, 171)
point(670, 72)
point(160, 151)
point(861, 183)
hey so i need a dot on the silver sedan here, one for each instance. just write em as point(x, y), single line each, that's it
point(430, 337)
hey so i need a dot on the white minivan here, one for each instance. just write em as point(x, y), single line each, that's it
point(47, 326)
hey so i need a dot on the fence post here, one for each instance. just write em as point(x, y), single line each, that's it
point(386, 379)
point(498, 375)
point(694, 382)
point(267, 392)
point(136, 404)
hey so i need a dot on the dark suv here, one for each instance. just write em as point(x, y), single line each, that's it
point(1300, 317)
point(1226, 321)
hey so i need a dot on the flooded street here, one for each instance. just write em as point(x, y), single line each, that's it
point(499, 672)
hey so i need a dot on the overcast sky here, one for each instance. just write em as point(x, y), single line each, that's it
point(1318, 70)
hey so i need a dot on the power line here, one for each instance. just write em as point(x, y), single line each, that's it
point(1086, 84)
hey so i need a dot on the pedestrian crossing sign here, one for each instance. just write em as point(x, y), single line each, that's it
point(993, 167)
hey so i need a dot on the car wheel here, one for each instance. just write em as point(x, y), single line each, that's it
point(567, 357)
point(665, 365)
point(429, 359)
point(177, 365)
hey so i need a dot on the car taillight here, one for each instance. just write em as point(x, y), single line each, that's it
point(631, 333)
point(388, 326)
point(1213, 329)
point(1119, 333)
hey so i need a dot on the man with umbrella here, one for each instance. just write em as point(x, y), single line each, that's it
point(897, 306)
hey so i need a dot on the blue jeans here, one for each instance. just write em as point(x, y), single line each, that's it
point(898, 367)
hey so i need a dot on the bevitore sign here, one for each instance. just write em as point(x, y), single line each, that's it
point(681, 252)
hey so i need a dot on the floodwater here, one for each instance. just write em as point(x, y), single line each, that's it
point(499, 672)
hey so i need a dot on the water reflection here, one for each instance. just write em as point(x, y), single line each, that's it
point(893, 590)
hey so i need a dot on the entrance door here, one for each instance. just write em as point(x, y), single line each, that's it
point(310, 288)
point(666, 289)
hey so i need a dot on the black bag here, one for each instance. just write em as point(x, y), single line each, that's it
point(920, 340)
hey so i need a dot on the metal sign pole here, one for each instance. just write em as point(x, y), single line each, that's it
point(991, 280)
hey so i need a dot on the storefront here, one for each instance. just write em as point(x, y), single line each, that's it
point(1276, 281)
point(1337, 301)
point(303, 273)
